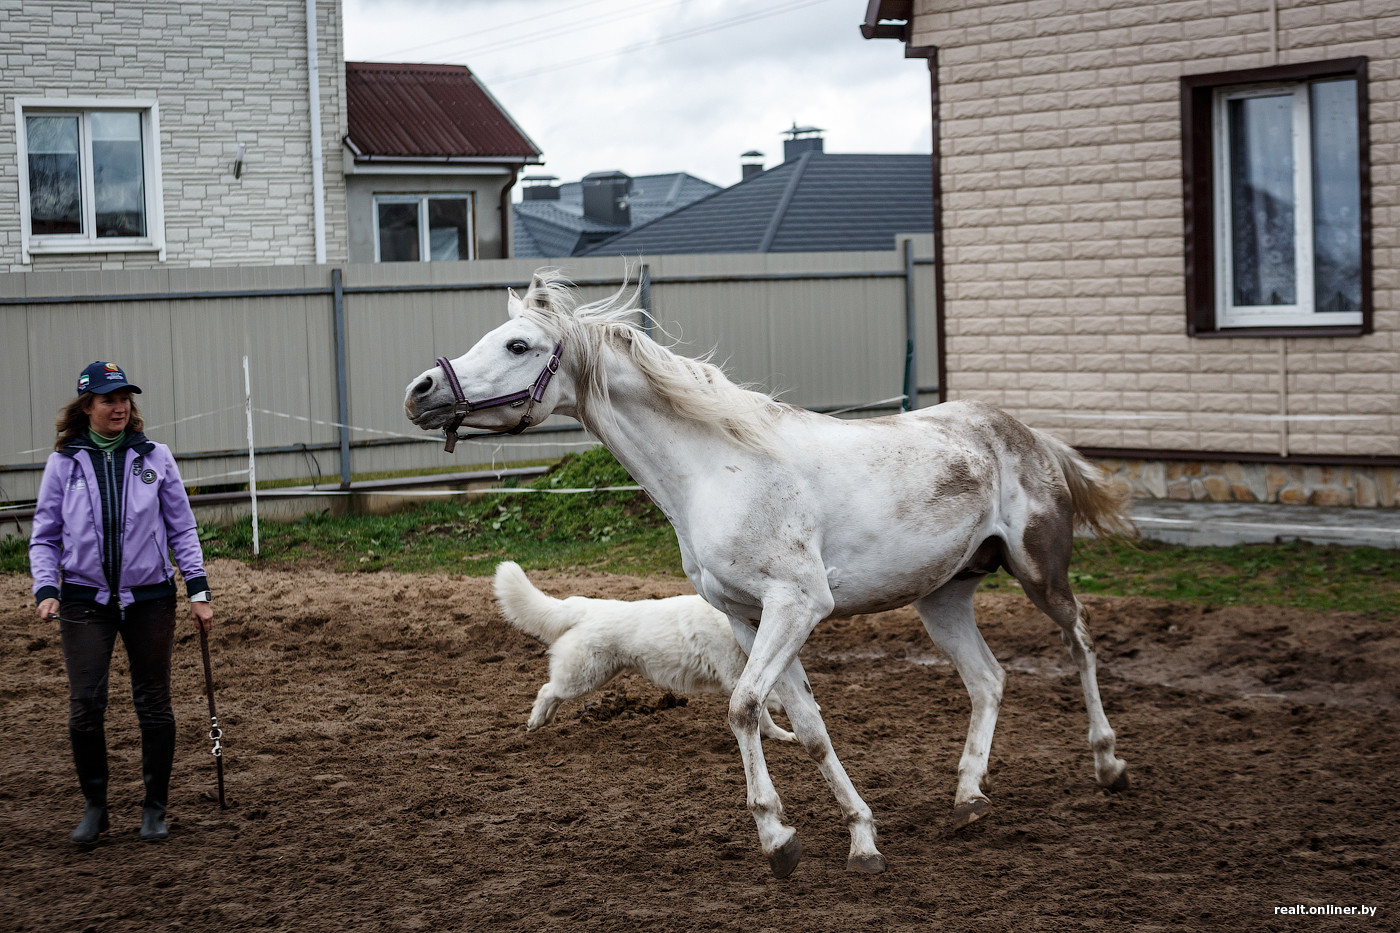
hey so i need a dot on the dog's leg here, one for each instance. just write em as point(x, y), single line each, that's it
point(546, 705)
point(574, 670)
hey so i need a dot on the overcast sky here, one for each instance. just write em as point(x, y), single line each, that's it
point(651, 86)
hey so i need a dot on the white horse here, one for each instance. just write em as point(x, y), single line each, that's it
point(786, 517)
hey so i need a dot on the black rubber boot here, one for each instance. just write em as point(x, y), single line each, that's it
point(157, 756)
point(90, 760)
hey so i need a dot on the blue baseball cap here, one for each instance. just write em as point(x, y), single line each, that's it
point(102, 378)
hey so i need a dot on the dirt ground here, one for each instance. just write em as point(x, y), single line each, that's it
point(380, 777)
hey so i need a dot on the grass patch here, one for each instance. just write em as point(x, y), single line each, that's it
point(1296, 574)
point(614, 532)
point(622, 532)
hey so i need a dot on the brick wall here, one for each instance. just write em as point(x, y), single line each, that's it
point(1063, 216)
point(222, 73)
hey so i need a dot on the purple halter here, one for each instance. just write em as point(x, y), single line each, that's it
point(463, 407)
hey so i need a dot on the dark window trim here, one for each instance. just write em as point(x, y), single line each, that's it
point(1197, 172)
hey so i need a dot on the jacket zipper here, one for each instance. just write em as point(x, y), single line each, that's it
point(114, 530)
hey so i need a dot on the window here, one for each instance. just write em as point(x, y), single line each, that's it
point(1276, 170)
point(422, 227)
point(89, 176)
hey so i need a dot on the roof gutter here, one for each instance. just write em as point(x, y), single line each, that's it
point(362, 159)
point(318, 181)
point(876, 26)
point(877, 10)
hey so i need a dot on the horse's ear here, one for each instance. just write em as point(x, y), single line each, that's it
point(514, 306)
point(538, 295)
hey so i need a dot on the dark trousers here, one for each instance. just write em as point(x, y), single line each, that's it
point(89, 632)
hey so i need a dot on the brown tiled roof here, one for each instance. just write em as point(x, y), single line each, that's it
point(428, 112)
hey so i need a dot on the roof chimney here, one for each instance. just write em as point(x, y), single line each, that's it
point(539, 188)
point(801, 139)
point(752, 164)
point(605, 198)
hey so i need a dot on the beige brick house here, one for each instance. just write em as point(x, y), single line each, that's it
point(1168, 232)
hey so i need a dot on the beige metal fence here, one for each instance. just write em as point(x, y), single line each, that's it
point(826, 330)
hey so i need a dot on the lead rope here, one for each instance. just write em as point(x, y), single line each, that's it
point(216, 734)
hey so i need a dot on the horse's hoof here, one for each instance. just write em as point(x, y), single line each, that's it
point(784, 860)
point(970, 812)
point(1121, 782)
point(870, 864)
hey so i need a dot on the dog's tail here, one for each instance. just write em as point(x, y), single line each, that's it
point(527, 608)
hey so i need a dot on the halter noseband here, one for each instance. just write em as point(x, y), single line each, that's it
point(463, 407)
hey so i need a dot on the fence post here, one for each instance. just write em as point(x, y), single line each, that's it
point(644, 287)
point(252, 458)
point(911, 373)
point(342, 395)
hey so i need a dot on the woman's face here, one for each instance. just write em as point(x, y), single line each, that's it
point(109, 412)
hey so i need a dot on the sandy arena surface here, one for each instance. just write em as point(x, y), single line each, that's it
point(380, 777)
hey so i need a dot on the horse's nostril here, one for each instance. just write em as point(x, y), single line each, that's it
point(424, 386)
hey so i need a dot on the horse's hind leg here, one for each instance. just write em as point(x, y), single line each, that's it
point(1041, 565)
point(1111, 771)
point(947, 615)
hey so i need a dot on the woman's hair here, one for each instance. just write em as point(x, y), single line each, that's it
point(72, 420)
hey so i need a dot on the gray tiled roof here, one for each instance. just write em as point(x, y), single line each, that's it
point(558, 228)
point(816, 202)
point(550, 229)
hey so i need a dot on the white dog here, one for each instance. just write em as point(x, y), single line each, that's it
point(680, 643)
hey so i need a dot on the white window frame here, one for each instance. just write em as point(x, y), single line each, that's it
point(424, 240)
point(88, 242)
point(1303, 313)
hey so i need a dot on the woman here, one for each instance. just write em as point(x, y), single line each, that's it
point(111, 509)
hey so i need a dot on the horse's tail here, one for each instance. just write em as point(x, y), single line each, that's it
point(1098, 505)
point(527, 608)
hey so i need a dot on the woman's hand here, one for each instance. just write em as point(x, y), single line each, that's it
point(203, 616)
point(48, 608)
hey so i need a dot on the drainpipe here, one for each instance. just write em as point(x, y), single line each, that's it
point(318, 182)
point(508, 216)
point(878, 13)
point(930, 52)
point(940, 307)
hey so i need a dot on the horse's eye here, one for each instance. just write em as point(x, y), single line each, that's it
point(517, 347)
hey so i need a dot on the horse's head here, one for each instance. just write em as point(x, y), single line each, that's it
point(506, 382)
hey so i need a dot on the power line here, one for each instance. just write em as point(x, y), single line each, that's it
point(661, 40)
point(481, 32)
point(645, 8)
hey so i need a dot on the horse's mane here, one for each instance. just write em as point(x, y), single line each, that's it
point(695, 388)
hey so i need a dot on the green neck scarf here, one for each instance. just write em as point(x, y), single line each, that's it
point(106, 444)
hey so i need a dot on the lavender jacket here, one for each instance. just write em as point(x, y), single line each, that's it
point(65, 546)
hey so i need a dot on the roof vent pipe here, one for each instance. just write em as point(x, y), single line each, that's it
point(540, 188)
point(801, 139)
point(605, 198)
point(752, 164)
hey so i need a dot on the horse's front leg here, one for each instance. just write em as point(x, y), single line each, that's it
point(787, 619)
point(796, 693)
